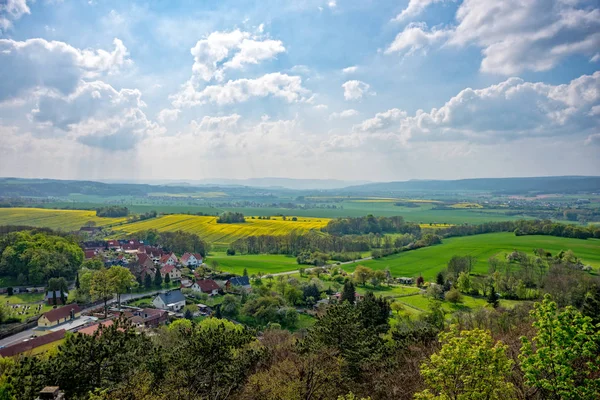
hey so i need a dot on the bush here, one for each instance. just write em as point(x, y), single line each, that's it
point(453, 296)
point(231, 252)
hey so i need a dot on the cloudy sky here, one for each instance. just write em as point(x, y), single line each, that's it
point(345, 89)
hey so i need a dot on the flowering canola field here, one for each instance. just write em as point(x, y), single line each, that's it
point(65, 220)
point(209, 230)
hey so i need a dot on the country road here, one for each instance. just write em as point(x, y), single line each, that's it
point(309, 269)
point(18, 337)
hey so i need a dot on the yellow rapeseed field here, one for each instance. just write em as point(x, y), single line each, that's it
point(65, 220)
point(208, 229)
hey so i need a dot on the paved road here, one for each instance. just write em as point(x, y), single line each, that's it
point(19, 337)
point(309, 269)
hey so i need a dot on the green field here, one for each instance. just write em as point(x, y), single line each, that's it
point(429, 261)
point(65, 220)
point(263, 263)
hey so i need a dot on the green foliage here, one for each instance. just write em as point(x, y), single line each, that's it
point(362, 274)
point(231, 218)
point(230, 305)
point(468, 366)
point(348, 293)
point(112, 212)
point(102, 287)
point(38, 257)
point(374, 313)
point(453, 296)
point(563, 358)
point(158, 279)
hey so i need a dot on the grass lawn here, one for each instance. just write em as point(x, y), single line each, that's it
point(429, 261)
point(420, 302)
point(22, 300)
point(254, 263)
point(389, 291)
point(304, 322)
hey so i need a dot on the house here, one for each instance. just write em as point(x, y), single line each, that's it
point(172, 301)
point(113, 245)
point(122, 260)
point(207, 286)
point(26, 346)
point(237, 282)
point(90, 330)
point(406, 281)
point(168, 259)
point(191, 260)
point(59, 315)
point(174, 273)
point(50, 297)
point(89, 254)
point(152, 317)
point(203, 309)
point(186, 283)
point(337, 297)
point(131, 246)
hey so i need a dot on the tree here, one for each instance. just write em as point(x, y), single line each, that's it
point(563, 358)
point(122, 280)
point(591, 304)
point(439, 279)
point(493, 297)
point(245, 272)
point(230, 305)
point(77, 283)
point(463, 282)
point(348, 293)
point(468, 366)
point(362, 274)
point(167, 279)
point(158, 279)
point(374, 313)
point(102, 287)
point(148, 281)
point(59, 285)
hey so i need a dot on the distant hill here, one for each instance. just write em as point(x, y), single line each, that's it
point(541, 185)
point(286, 183)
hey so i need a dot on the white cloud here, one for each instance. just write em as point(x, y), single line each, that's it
point(514, 35)
point(593, 140)
point(414, 8)
point(11, 10)
point(56, 66)
point(208, 123)
point(381, 121)
point(595, 58)
point(350, 70)
point(482, 115)
point(320, 107)
point(355, 90)
point(230, 50)
point(332, 4)
point(167, 115)
point(275, 84)
point(344, 114)
point(415, 36)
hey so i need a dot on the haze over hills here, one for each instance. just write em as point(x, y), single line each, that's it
point(15, 187)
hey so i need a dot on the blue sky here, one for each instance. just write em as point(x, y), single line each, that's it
point(370, 90)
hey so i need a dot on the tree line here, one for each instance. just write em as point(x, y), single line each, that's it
point(231, 218)
point(178, 242)
point(112, 212)
point(371, 224)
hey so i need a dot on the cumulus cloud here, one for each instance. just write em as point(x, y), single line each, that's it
point(320, 107)
point(414, 8)
point(511, 110)
point(350, 70)
point(593, 140)
point(209, 123)
point(381, 121)
point(230, 50)
point(344, 114)
point(275, 84)
point(55, 66)
point(416, 36)
point(167, 115)
point(11, 10)
point(514, 35)
point(355, 90)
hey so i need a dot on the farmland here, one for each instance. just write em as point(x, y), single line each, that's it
point(430, 260)
point(222, 234)
point(260, 263)
point(65, 220)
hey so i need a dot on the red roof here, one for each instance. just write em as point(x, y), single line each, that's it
point(167, 269)
point(90, 254)
point(31, 344)
point(142, 257)
point(113, 243)
point(90, 330)
point(207, 285)
point(198, 256)
point(165, 258)
point(184, 258)
point(62, 312)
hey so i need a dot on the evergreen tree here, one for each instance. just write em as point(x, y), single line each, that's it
point(493, 297)
point(147, 281)
point(439, 279)
point(348, 293)
point(167, 279)
point(54, 297)
point(77, 284)
point(188, 314)
point(158, 279)
point(375, 313)
point(591, 305)
point(245, 272)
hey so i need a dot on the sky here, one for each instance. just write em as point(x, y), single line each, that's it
point(322, 89)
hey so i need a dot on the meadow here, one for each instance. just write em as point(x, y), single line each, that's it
point(429, 261)
point(254, 264)
point(222, 234)
point(65, 220)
